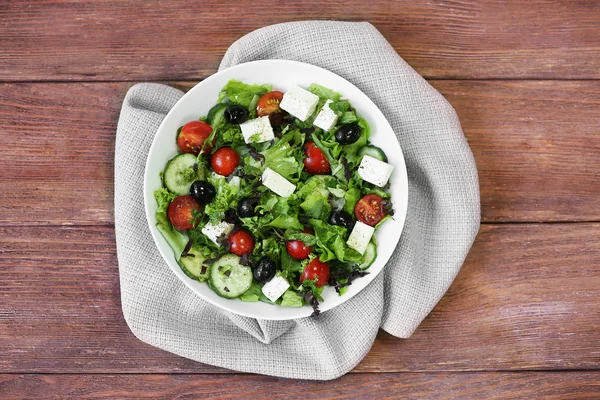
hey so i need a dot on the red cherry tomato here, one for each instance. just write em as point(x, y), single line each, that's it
point(298, 249)
point(192, 137)
point(180, 212)
point(269, 103)
point(315, 162)
point(241, 242)
point(224, 161)
point(369, 210)
point(316, 270)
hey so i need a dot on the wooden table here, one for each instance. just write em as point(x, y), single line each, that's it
point(522, 318)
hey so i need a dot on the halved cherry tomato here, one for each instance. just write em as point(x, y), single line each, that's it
point(224, 161)
point(269, 103)
point(241, 242)
point(369, 210)
point(180, 212)
point(316, 270)
point(315, 162)
point(192, 137)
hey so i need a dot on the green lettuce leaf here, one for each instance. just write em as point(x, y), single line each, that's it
point(241, 93)
point(270, 247)
point(351, 196)
point(324, 93)
point(285, 155)
point(268, 201)
point(331, 244)
point(227, 135)
point(226, 197)
point(285, 221)
point(315, 183)
point(316, 206)
point(292, 299)
point(252, 106)
point(273, 212)
point(345, 112)
point(290, 264)
point(315, 194)
point(286, 217)
point(252, 167)
point(253, 294)
point(337, 192)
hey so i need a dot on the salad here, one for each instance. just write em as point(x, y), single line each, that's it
point(273, 196)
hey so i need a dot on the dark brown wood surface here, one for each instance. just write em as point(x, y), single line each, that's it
point(524, 78)
point(467, 386)
point(158, 40)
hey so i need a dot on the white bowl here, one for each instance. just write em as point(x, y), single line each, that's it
point(282, 74)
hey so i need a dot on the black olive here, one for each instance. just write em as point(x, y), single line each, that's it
point(348, 133)
point(265, 270)
point(203, 192)
point(276, 118)
point(308, 130)
point(246, 206)
point(341, 218)
point(236, 114)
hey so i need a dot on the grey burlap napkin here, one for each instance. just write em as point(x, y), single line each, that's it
point(442, 220)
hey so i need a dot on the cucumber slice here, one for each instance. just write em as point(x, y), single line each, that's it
point(229, 278)
point(193, 263)
point(369, 256)
point(179, 174)
point(374, 152)
point(216, 115)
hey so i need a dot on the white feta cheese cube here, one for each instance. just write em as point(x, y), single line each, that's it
point(374, 171)
point(360, 237)
point(327, 118)
point(275, 288)
point(277, 183)
point(299, 102)
point(257, 130)
point(215, 231)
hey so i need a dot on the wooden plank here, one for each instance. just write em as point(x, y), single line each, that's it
point(536, 145)
point(489, 385)
point(57, 166)
point(527, 298)
point(139, 40)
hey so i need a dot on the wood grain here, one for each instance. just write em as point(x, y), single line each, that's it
point(488, 385)
point(536, 145)
point(57, 162)
point(527, 298)
point(169, 40)
point(533, 165)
